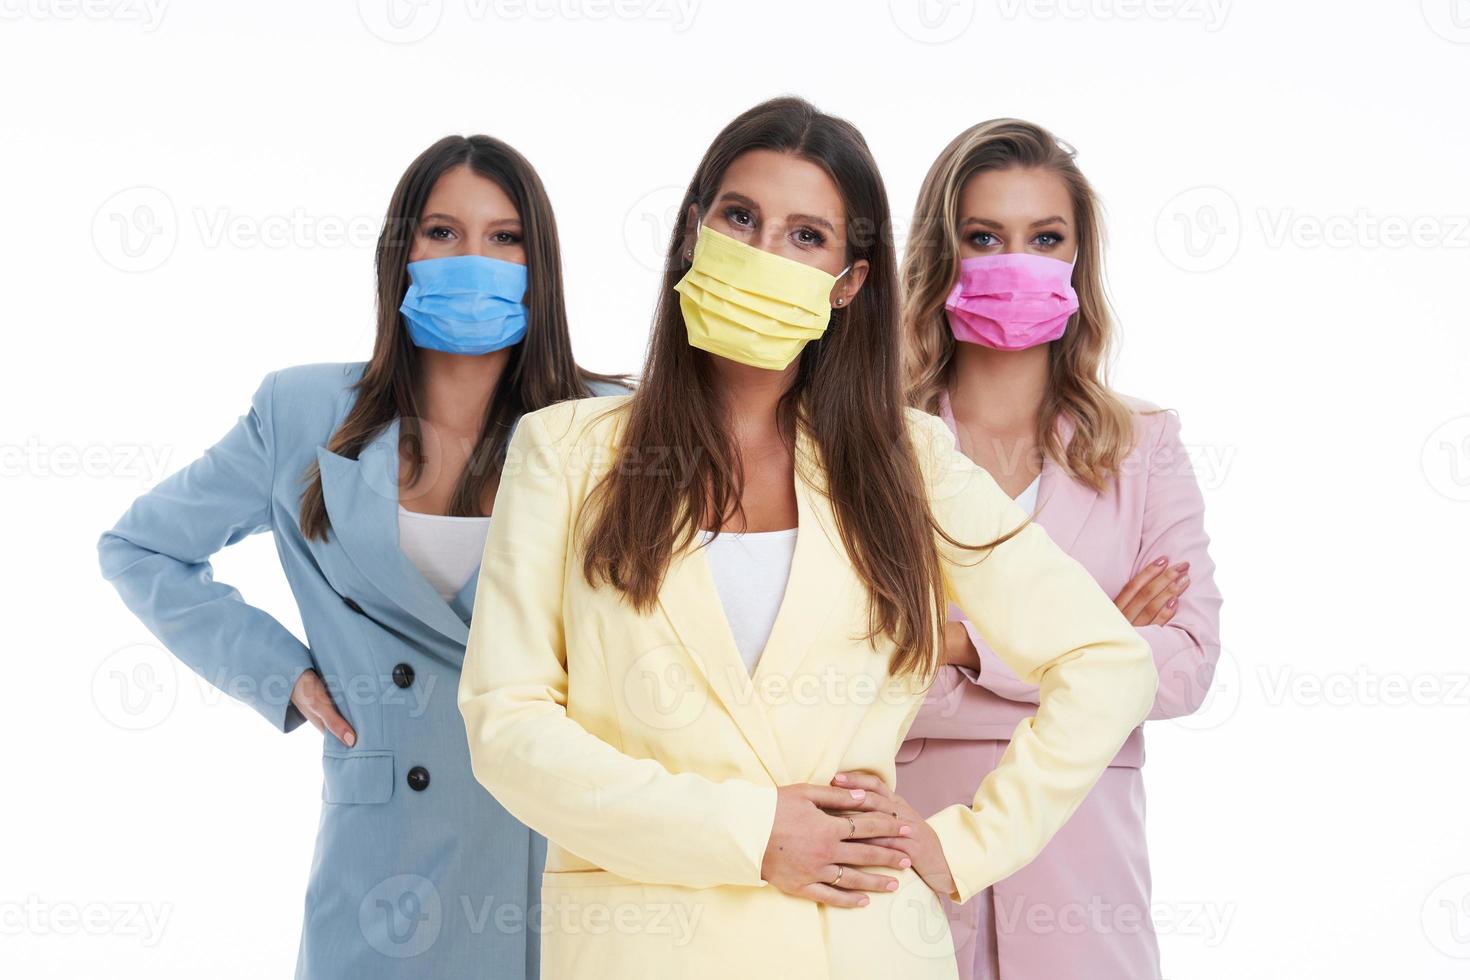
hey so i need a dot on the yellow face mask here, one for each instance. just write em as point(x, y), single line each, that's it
point(752, 306)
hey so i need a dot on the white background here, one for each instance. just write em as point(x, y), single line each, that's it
point(191, 193)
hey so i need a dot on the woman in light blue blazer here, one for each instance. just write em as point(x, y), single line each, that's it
point(376, 479)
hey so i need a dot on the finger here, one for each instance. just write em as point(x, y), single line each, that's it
point(828, 895)
point(849, 778)
point(338, 726)
point(876, 825)
point(869, 854)
point(316, 701)
point(1166, 599)
point(835, 798)
point(1158, 585)
point(905, 844)
point(854, 880)
point(1136, 582)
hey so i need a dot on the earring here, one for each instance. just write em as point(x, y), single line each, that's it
point(840, 301)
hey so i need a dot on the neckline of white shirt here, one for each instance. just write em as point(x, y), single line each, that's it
point(787, 532)
point(402, 510)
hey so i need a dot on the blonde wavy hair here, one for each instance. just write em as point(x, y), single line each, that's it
point(1077, 388)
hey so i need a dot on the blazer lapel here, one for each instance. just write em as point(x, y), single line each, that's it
point(1062, 503)
point(690, 600)
point(361, 497)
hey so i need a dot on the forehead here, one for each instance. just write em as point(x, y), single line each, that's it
point(781, 184)
point(463, 193)
point(1015, 194)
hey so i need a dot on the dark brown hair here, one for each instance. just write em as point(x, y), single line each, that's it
point(846, 394)
point(540, 370)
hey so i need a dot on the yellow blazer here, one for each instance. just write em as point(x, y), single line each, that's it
point(647, 755)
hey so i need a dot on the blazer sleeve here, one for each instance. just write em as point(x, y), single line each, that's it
point(157, 557)
point(1185, 649)
point(628, 815)
point(1048, 620)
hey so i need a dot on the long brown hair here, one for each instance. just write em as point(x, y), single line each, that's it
point(540, 370)
point(846, 395)
point(1077, 384)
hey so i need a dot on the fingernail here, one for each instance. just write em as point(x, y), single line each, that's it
point(1172, 603)
point(863, 900)
point(904, 830)
point(839, 778)
point(892, 886)
point(351, 740)
point(1183, 566)
point(857, 794)
point(905, 863)
point(1161, 561)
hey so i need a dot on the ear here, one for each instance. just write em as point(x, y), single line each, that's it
point(848, 286)
point(691, 232)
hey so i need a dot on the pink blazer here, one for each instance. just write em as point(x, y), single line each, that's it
point(1100, 857)
point(1152, 508)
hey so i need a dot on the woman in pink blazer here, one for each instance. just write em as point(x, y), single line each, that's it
point(1007, 329)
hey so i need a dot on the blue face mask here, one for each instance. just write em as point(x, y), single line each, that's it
point(465, 304)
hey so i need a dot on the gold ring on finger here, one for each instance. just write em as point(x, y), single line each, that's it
point(840, 869)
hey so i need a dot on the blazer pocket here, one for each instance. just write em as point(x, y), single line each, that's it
point(357, 777)
point(910, 749)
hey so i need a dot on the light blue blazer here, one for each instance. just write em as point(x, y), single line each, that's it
point(418, 871)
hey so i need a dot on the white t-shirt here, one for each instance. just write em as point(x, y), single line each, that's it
point(446, 550)
point(1027, 498)
point(750, 572)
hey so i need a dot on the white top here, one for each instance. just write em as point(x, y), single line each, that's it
point(750, 572)
point(446, 550)
point(1027, 498)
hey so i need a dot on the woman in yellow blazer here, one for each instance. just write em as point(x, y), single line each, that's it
point(693, 831)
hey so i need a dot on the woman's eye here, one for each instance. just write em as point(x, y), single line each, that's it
point(439, 233)
point(738, 216)
point(506, 238)
point(809, 237)
point(983, 239)
point(1048, 239)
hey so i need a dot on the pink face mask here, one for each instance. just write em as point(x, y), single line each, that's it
point(1011, 301)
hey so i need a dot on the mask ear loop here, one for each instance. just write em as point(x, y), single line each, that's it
point(841, 300)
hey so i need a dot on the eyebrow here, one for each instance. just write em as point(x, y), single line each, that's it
point(810, 219)
point(440, 215)
point(986, 222)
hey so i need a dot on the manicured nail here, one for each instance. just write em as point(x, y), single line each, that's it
point(905, 863)
point(892, 886)
point(839, 778)
point(857, 794)
point(863, 900)
point(1183, 566)
point(1161, 561)
point(1172, 603)
point(904, 831)
point(351, 740)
